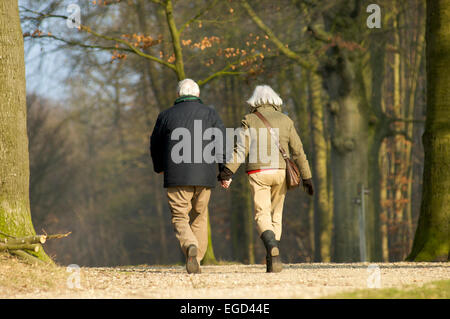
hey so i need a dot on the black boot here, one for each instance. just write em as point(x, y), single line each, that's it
point(192, 265)
point(273, 261)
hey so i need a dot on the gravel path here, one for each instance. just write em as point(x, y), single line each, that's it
point(239, 281)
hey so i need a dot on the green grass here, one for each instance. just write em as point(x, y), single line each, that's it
point(433, 290)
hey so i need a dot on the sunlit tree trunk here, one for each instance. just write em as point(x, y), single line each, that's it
point(397, 163)
point(15, 217)
point(322, 212)
point(384, 213)
point(209, 258)
point(432, 239)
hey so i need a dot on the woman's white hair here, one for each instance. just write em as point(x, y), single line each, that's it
point(188, 87)
point(264, 94)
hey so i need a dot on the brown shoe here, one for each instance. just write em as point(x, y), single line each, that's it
point(192, 265)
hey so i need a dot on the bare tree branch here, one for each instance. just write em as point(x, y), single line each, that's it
point(409, 120)
point(159, 2)
point(225, 71)
point(198, 15)
point(130, 48)
point(275, 40)
point(403, 133)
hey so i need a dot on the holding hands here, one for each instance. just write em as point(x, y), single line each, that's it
point(224, 177)
point(226, 184)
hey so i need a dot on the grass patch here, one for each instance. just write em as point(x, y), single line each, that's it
point(20, 277)
point(433, 290)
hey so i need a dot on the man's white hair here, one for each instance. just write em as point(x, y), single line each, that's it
point(188, 87)
point(264, 94)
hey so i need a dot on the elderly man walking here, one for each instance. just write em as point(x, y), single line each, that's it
point(176, 148)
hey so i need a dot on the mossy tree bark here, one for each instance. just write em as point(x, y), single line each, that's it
point(15, 217)
point(432, 238)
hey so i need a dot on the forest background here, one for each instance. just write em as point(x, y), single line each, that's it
point(356, 94)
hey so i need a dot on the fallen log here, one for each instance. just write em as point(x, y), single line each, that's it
point(32, 247)
point(38, 239)
point(25, 246)
point(27, 257)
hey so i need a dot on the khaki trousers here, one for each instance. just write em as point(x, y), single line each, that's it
point(268, 190)
point(189, 208)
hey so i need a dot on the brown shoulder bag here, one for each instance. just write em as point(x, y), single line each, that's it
point(292, 173)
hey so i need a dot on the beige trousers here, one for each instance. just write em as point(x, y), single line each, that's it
point(268, 190)
point(189, 208)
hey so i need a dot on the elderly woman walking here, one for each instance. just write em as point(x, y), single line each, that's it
point(267, 174)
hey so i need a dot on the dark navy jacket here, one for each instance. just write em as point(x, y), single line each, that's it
point(174, 131)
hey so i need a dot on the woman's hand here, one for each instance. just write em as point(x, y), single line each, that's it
point(226, 184)
point(308, 186)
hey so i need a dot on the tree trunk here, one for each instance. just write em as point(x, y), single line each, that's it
point(209, 258)
point(242, 216)
point(299, 94)
point(175, 35)
point(242, 224)
point(384, 210)
point(397, 163)
point(349, 153)
point(432, 239)
point(15, 217)
point(249, 227)
point(322, 213)
point(410, 112)
point(378, 129)
point(159, 197)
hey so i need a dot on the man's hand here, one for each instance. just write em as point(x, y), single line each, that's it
point(308, 187)
point(226, 184)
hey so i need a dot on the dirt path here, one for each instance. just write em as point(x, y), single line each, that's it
point(233, 281)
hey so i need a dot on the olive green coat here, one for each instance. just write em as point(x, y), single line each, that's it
point(288, 139)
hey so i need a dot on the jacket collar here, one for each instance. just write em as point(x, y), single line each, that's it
point(265, 106)
point(188, 98)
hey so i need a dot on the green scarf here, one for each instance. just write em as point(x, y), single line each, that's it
point(188, 98)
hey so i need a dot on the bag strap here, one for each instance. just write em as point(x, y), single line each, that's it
point(272, 133)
